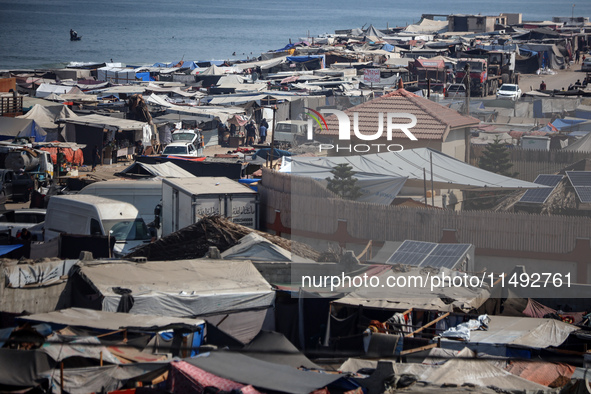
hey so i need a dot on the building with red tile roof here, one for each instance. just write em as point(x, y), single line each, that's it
point(437, 127)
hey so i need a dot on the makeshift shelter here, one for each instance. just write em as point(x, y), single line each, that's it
point(264, 375)
point(253, 247)
point(46, 115)
point(99, 130)
point(45, 89)
point(180, 288)
point(163, 170)
point(273, 347)
point(383, 175)
point(11, 128)
point(230, 294)
point(511, 336)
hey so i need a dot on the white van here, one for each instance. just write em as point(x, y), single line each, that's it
point(144, 195)
point(91, 215)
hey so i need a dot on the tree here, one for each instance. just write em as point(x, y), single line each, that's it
point(496, 159)
point(342, 183)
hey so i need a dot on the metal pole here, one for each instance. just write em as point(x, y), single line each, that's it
point(425, 185)
point(468, 84)
point(432, 190)
point(273, 136)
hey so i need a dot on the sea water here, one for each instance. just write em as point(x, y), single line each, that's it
point(35, 33)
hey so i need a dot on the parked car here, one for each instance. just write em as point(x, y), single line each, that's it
point(16, 220)
point(456, 90)
point(290, 132)
point(586, 66)
point(183, 149)
point(509, 91)
point(186, 136)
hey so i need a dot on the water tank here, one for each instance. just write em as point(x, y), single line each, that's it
point(21, 159)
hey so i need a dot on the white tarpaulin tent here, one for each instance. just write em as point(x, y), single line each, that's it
point(462, 370)
point(256, 248)
point(181, 288)
point(45, 89)
point(382, 175)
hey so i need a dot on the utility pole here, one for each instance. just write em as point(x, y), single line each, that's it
point(467, 84)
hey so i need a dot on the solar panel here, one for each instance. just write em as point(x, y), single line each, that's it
point(579, 178)
point(584, 193)
point(536, 196)
point(539, 196)
point(446, 256)
point(548, 180)
point(411, 253)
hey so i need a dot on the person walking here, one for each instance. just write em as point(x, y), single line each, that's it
point(96, 157)
point(543, 86)
point(263, 131)
point(251, 134)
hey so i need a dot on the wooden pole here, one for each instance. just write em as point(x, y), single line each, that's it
point(428, 324)
point(62, 376)
point(101, 362)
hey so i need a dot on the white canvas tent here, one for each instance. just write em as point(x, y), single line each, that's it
point(383, 175)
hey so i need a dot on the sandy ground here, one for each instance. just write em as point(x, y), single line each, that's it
point(562, 79)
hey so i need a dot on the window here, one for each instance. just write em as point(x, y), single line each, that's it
point(127, 230)
point(95, 227)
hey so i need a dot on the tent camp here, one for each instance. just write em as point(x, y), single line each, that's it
point(46, 116)
point(229, 294)
point(382, 176)
point(11, 128)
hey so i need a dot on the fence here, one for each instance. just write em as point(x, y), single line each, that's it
point(302, 210)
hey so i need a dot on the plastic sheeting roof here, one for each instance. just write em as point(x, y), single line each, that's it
point(418, 297)
point(256, 248)
point(106, 121)
point(448, 172)
point(524, 331)
point(45, 116)
point(164, 170)
point(102, 320)
point(181, 288)
point(262, 374)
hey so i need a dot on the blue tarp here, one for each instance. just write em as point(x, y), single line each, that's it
point(197, 340)
point(4, 249)
point(144, 76)
point(301, 59)
point(566, 123)
point(388, 47)
point(285, 48)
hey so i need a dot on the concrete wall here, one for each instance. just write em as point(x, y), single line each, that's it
point(455, 144)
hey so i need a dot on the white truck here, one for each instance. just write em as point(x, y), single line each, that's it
point(91, 215)
point(34, 161)
point(290, 133)
point(144, 195)
point(186, 200)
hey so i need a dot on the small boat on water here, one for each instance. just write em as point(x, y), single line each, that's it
point(77, 38)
